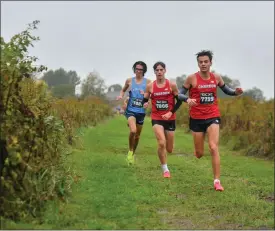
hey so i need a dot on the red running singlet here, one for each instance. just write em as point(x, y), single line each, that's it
point(162, 101)
point(205, 94)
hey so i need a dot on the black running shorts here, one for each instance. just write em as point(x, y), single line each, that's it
point(201, 125)
point(169, 125)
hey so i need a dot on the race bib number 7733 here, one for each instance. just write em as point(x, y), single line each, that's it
point(206, 97)
point(162, 105)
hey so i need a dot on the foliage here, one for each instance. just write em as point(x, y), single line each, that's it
point(255, 93)
point(60, 77)
point(29, 133)
point(77, 113)
point(252, 122)
point(63, 90)
point(93, 85)
point(33, 146)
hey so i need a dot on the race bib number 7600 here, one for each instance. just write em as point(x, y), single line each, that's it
point(162, 105)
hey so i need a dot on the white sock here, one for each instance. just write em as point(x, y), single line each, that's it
point(164, 168)
point(216, 180)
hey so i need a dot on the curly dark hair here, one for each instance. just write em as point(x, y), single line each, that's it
point(205, 53)
point(143, 64)
point(159, 63)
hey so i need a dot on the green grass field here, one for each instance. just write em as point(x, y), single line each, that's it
point(111, 195)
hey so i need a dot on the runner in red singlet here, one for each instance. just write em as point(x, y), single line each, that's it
point(204, 111)
point(163, 94)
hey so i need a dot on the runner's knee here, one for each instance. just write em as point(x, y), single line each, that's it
point(169, 148)
point(133, 129)
point(162, 144)
point(137, 136)
point(199, 153)
point(132, 133)
point(213, 148)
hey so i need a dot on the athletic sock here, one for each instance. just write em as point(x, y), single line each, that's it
point(164, 168)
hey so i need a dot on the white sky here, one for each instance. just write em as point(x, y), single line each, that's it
point(110, 36)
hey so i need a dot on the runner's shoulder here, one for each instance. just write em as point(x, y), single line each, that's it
point(129, 80)
point(172, 83)
point(189, 80)
point(191, 76)
point(148, 81)
point(217, 75)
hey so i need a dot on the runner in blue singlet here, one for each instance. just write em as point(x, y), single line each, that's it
point(135, 112)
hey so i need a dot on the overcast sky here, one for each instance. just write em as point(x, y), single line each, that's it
point(110, 36)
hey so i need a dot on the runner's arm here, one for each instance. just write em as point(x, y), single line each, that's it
point(178, 101)
point(185, 87)
point(124, 89)
point(125, 103)
point(225, 88)
point(147, 93)
point(126, 100)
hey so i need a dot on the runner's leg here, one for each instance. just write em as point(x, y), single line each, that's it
point(198, 132)
point(160, 135)
point(213, 142)
point(198, 138)
point(133, 129)
point(137, 136)
point(139, 125)
point(170, 137)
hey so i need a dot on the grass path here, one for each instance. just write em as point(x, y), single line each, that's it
point(111, 195)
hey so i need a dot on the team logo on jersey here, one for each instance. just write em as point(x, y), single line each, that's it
point(207, 86)
point(161, 93)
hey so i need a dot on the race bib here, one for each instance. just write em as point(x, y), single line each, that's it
point(206, 97)
point(162, 105)
point(137, 102)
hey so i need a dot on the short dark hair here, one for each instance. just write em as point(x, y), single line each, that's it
point(143, 64)
point(205, 53)
point(159, 63)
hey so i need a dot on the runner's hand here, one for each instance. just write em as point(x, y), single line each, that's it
point(192, 102)
point(145, 105)
point(119, 97)
point(239, 91)
point(167, 115)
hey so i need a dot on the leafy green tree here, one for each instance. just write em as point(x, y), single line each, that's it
point(63, 90)
point(255, 93)
point(93, 85)
point(61, 76)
